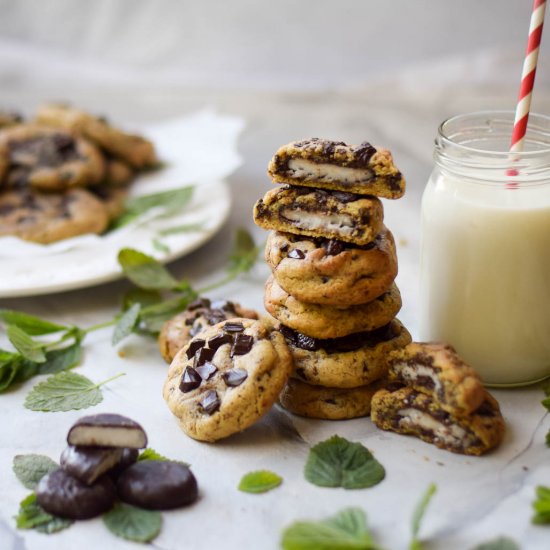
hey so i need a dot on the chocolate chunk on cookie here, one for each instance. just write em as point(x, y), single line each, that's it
point(250, 371)
point(409, 412)
point(200, 314)
point(326, 164)
point(436, 369)
point(47, 217)
point(355, 360)
point(319, 213)
point(321, 321)
point(331, 272)
point(327, 403)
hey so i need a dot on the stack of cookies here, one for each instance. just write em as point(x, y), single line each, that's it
point(333, 267)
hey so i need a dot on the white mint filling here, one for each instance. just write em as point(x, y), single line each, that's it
point(452, 434)
point(301, 168)
point(411, 374)
point(107, 437)
point(309, 221)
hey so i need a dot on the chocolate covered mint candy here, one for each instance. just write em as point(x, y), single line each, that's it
point(89, 463)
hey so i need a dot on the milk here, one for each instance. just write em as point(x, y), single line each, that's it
point(485, 275)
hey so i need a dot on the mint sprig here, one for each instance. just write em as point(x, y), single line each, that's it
point(31, 468)
point(259, 481)
point(418, 515)
point(500, 543)
point(541, 506)
point(32, 516)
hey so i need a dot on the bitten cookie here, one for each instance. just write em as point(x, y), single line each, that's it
point(435, 368)
point(355, 360)
point(49, 159)
point(200, 314)
point(328, 321)
point(318, 213)
point(47, 217)
point(331, 272)
point(409, 412)
point(361, 169)
point(226, 378)
point(327, 403)
point(135, 150)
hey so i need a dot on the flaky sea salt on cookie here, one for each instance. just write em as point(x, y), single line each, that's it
point(327, 164)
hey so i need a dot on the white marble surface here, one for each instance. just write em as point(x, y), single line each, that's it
point(477, 499)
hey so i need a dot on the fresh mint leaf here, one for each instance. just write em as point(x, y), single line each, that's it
point(153, 317)
point(126, 324)
point(61, 359)
point(260, 481)
point(144, 271)
point(65, 391)
point(11, 368)
point(25, 345)
point(541, 506)
point(160, 246)
point(418, 514)
point(501, 543)
point(244, 253)
point(29, 323)
point(338, 462)
point(346, 530)
point(546, 403)
point(151, 454)
point(30, 469)
point(142, 297)
point(32, 516)
point(185, 228)
point(132, 523)
point(548, 439)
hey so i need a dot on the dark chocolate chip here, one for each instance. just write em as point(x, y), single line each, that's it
point(219, 340)
point(203, 355)
point(215, 316)
point(207, 370)
point(210, 402)
point(333, 247)
point(233, 326)
point(157, 485)
point(190, 380)
point(62, 495)
point(198, 303)
point(89, 463)
point(296, 254)
point(197, 327)
point(345, 197)
point(364, 152)
point(242, 345)
point(194, 346)
point(224, 305)
point(234, 377)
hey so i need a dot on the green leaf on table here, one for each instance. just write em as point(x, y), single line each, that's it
point(153, 317)
point(144, 271)
point(140, 296)
point(185, 228)
point(25, 345)
point(244, 253)
point(31, 468)
point(132, 523)
point(65, 391)
point(29, 323)
point(171, 202)
point(418, 514)
point(500, 543)
point(541, 506)
point(346, 530)
point(61, 359)
point(151, 454)
point(32, 516)
point(11, 367)
point(260, 481)
point(126, 324)
point(546, 403)
point(338, 462)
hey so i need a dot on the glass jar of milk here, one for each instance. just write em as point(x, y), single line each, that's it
point(485, 274)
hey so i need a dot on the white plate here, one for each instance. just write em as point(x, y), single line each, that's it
point(201, 150)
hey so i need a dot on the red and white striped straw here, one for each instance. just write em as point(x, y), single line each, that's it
point(528, 76)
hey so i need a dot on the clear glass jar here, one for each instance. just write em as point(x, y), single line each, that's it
point(485, 270)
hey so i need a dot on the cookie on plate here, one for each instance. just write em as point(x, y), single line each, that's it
point(113, 198)
point(355, 360)
point(226, 378)
point(49, 217)
point(198, 315)
point(319, 213)
point(9, 118)
point(361, 169)
point(409, 412)
point(117, 173)
point(133, 149)
point(327, 403)
point(329, 321)
point(49, 159)
point(331, 272)
point(436, 369)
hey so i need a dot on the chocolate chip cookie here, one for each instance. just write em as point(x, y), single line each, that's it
point(319, 213)
point(10, 118)
point(117, 173)
point(132, 149)
point(327, 403)
point(113, 198)
point(348, 362)
point(49, 159)
point(331, 272)
point(227, 377)
point(409, 412)
point(321, 321)
point(48, 217)
point(200, 314)
point(326, 164)
point(436, 369)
